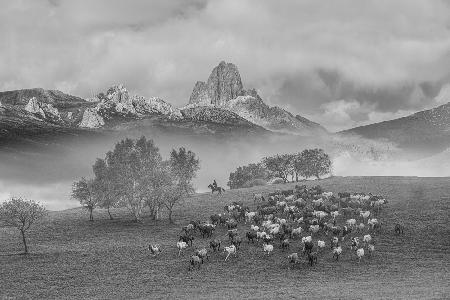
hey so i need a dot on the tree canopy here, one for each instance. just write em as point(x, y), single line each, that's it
point(313, 163)
point(22, 214)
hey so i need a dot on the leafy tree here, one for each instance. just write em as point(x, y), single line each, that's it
point(134, 170)
point(313, 162)
point(280, 165)
point(21, 214)
point(245, 174)
point(83, 191)
point(104, 189)
point(183, 166)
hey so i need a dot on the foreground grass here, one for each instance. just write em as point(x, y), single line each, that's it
point(74, 258)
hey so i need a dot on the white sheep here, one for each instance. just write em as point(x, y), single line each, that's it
point(254, 227)
point(370, 249)
point(314, 228)
point(351, 222)
point(307, 239)
point(372, 222)
point(299, 220)
point(320, 244)
point(230, 250)
point(365, 214)
point(367, 238)
point(297, 231)
point(334, 214)
point(181, 246)
point(281, 203)
point(249, 216)
point(268, 248)
point(275, 230)
point(290, 198)
point(360, 254)
point(260, 235)
point(327, 194)
point(154, 249)
point(293, 258)
point(337, 252)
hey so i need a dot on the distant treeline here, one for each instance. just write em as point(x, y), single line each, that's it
point(309, 163)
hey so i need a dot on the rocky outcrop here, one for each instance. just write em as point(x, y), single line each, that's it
point(223, 84)
point(91, 119)
point(42, 110)
point(33, 107)
point(200, 94)
point(117, 101)
point(155, 105)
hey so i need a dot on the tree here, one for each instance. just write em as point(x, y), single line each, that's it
point(182, 167)
point(83, 191)
point(280, 165)
point(103, 184)
point(21, 214)
point(313, 162)
point(133, 173)
point(245, 174)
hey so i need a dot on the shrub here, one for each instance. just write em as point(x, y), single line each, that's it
point(254, 182)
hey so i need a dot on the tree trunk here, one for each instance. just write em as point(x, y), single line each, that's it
point(110, 216)
point(170, 216)
point(91, 217)
point(24, 242)
point(296, 177)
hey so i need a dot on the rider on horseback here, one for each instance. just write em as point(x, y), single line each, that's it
point(214, 184)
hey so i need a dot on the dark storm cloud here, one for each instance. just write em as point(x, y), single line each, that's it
point(365, 59)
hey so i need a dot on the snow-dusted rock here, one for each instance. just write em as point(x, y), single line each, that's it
point(34, 107)
point(91, 119)
point(44, 110)
point(155, 105)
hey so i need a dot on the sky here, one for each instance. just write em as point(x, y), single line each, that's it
point(339, 63)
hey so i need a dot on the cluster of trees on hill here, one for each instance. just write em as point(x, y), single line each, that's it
point(309, 163)
point(134, 175)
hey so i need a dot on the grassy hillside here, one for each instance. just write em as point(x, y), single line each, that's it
point(74, 258)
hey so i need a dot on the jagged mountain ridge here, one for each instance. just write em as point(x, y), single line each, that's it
point(224, 90)
point(28, 116)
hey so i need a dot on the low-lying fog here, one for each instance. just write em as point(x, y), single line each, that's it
point(48, 176)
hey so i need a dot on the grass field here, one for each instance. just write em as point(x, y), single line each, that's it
point(74, 258)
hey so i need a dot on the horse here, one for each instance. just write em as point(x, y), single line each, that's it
point(216, 189)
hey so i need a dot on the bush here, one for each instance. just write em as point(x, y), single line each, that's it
point(277, 181)
point(245, 174)
point(254, 182)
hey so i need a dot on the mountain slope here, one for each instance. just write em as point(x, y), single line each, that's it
point(425, 132)
point(224, 90)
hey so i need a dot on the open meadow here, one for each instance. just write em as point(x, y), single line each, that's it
point(71, 257)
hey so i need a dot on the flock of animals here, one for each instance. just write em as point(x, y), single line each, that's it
point(314, 218)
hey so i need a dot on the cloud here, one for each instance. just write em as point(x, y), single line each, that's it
point(298, 54)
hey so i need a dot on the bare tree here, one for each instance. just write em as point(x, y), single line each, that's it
point(21, 214)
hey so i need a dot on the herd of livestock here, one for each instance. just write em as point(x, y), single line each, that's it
point(316, 218)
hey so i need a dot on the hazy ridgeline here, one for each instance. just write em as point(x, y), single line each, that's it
point(46, 173)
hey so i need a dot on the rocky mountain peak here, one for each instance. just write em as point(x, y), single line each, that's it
point(223, 84)
point(224, 90)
